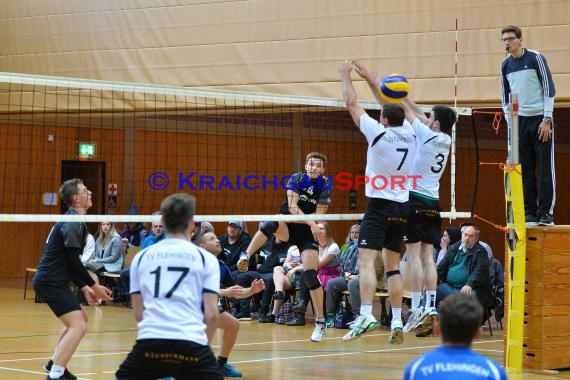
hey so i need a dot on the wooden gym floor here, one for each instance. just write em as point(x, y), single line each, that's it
point(29, 331)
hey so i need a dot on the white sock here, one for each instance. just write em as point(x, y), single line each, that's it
point(416, 298)
point(396, 313)
point(365, 309)
point(56, 371)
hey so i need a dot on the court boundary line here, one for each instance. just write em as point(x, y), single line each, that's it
point(268, 359)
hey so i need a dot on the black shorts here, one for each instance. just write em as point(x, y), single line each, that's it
point(152, 359)
point(301, 236)
point(384, 225)
point(58, 296)
point(424, 221)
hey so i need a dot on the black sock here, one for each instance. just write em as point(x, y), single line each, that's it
point(222, 361)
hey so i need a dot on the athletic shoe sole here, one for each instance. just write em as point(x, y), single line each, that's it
point(397, 336)
point(416, 322)
point(426, 329)
point(350, 336)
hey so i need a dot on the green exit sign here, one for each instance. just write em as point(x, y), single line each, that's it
point(86, 149)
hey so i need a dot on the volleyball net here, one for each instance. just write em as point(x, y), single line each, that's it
point(134, 144)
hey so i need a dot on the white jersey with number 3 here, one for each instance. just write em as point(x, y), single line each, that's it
point(171, 277)
point(389, 159)
point(430, 159)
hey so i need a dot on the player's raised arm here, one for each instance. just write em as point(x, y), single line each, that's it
point(413, 111)
point(371, 79)
point(348, 93)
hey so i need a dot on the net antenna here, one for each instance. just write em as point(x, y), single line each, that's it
point(453, 208)
point(453, 214)
point(513, 130)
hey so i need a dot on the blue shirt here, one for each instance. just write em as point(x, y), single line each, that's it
point(226, 279)
point(454, 363)
point(151, 239)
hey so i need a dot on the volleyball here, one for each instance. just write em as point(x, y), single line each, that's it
point(394, 88)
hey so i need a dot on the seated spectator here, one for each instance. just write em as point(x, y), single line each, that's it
point(195, 230)
point(284, 278)
point(107, 255)
point(135, 233)
point(451, 235)
point(206, 227)
point(497, 272)
point(329, 261)
point(465, 269)
point(300, 305)
point(273, 254)
point(235, 241)
point(497, 283)
point(459, 324)
point(353, 285)
point(201, 228)
point(157, 234)
point(88, 249)
point(349, 271)
point(352, 238)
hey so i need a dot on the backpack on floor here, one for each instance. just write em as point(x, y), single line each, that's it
point(285, 313)
point(344, 316)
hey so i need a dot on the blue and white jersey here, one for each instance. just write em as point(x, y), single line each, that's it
point(529, 77)
point(389, 159)
point(453, 363)
point(432, 152)
point(171, 277)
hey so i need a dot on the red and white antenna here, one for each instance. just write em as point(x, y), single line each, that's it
point(453, 208)
point(456, 61)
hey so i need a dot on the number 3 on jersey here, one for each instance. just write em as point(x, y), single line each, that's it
point(439, 163)
point(158, 272)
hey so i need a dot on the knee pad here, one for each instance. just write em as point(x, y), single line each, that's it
point(311, 279)
point(269, 228)
point(392, 273)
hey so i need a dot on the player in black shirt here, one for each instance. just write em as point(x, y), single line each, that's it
point(59, 265)
point(308, 192)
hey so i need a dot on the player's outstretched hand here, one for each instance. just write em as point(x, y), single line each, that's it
point(364, 73)
point(90, 296)
point(102, 293)
point(257, 286)
point(234, 291)
point(345, 67)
